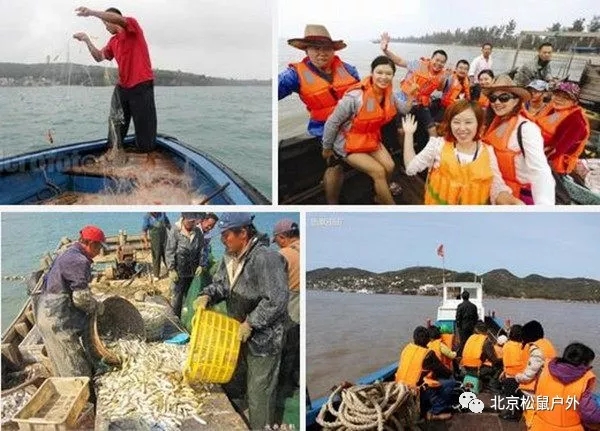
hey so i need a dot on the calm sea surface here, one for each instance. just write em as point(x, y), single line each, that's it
point(349, 335)
point(233, 124)
point(293, 116)
point(26, 237)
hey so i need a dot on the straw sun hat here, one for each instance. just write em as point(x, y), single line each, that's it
point(316, 35)
point(504, 83)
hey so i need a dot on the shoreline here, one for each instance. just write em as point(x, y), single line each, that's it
point(585, 301)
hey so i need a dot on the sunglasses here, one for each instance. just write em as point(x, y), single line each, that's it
point(503, 98)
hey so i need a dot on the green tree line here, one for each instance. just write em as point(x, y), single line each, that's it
point(505, 36)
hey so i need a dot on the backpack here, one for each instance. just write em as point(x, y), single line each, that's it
point(561, 194)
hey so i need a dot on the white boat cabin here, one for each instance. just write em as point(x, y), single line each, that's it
point(452, 291)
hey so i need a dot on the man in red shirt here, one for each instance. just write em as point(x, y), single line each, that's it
point(134, 93)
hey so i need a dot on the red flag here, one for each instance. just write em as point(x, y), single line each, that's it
point(440, 250)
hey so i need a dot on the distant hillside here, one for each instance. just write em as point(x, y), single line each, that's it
point(17, 74)
point(499, 282)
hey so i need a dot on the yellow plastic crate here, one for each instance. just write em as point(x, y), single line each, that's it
point(214, 348)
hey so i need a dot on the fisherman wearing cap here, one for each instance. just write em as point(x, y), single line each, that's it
point(184, 249)
point(320, 79)
point(65, 302)
point(253, 281)
point(286, 234)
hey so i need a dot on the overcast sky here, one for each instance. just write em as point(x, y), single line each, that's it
point(223, 38)
point(349, 21)
point(523, 243)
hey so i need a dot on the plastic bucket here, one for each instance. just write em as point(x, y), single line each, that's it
point(214, 348)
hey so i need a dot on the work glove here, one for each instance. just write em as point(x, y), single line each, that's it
point(198, 272)
point(244, 332)
point(173, 276)
point(201, 302)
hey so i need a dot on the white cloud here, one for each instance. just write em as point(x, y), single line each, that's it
point(216, 38)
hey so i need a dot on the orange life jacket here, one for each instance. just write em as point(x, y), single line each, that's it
point(513, 358)
point(483, 101)
point(498, 135)
point(549, 353)
point(561, 416)
point(410, 367)
point(425, 79)
point(364, 135)
point(535, 115)
point(548, 121)
point(547, 348)
point(448, 340)
point(319, 95)
point(473, 350)
point(453, 183)
point(436, 346)
point(456, 87)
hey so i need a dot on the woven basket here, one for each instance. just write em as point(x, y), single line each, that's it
point(120, 320)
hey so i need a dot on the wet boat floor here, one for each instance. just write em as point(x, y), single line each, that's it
point(487, 420)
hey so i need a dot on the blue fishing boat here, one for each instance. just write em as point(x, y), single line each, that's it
point(446, 312)
point(82, 172)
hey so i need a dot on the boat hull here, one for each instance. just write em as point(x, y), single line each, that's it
point(37, 177)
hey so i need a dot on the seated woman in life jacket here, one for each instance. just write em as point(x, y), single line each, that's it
point(485, 78)
point(514, 360)
point(462, 169)
point(518, 143)
point(479, 357)
point(419, 367)
point(565, 128)
point(571, 379)
point(353, 130)
point(537, 104)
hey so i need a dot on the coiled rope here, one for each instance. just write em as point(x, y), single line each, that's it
point(381, 406)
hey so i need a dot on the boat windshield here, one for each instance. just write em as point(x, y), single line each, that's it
point(472, 292)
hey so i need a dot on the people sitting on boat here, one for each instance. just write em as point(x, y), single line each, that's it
point(441, 349)
point(486, 77)
point(537, 104)
point(456, 87)
point(184, 250)
point(419, 367)
point(465, 319)
point(539, 350)
point(286, 234)
point(481, 63)
point(518, 143)
point(320, 79)
point(565, 128)
point(155, 228)
point(65, 303)
point(133, 96)
point(353, 130)
point(479, 357)
point(538, 68)
point(462, 169)
point(514, 360)
point(259, 301)
point(568, 377)
point(423, 78)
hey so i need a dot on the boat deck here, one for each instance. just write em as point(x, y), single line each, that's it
point(217, 410)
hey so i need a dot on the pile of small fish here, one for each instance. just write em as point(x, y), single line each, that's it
point(11, 404)
point(148, 385)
